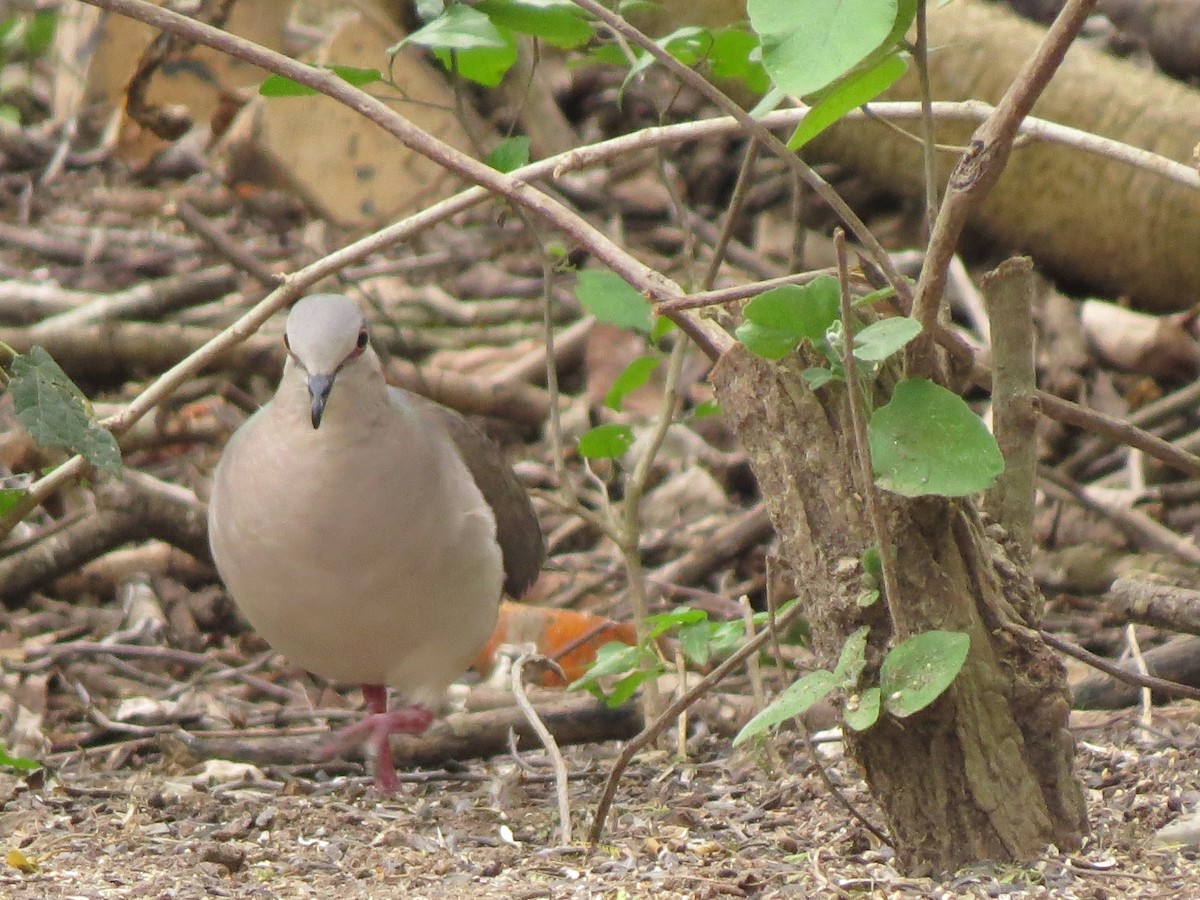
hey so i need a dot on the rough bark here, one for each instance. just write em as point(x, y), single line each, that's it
point(1093, 221)
point(986, 771)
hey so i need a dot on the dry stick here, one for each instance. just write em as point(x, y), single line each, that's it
point(224, 244)
point(356, 252)
point(928, 138)
point(891, 583)
point(978, 171)
point(837, 793)
point(1116, 430)
point(547, 739)
point(1183, 400)
point(1008, 292)
point(655, 728)
point(1139, 662)
point(150, 299)
point(1168, 688)
point(1140, 528)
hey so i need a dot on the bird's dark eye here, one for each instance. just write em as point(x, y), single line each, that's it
point(362, 339)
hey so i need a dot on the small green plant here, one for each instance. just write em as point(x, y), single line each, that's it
point(17, 763)
point(624, 668)
point(914, 674)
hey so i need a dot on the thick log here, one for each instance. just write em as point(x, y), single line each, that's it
point(1091, 221)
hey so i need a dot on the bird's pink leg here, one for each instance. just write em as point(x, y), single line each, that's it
point(375, 728)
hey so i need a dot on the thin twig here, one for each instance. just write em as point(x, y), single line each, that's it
point(655, 728)
point(547, 739)
point(1168, 688)
point(862, 452)
point(837, 791)
point(978, 171)
point(928, 137)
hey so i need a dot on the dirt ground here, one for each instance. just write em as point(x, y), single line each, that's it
point(720, 823)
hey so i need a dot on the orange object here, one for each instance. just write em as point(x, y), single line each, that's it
point(569, 638)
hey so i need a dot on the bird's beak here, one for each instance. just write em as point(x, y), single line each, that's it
point(319, 387)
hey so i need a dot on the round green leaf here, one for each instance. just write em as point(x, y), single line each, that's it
point(928, 441)
point(861, 711)
point(809, 43)
point(459, 28)
point(916, 672)
point(794, 701)
point(778, 319)
point(605, 441)
point(610, 298)
point(881, 339)
point(511, 153)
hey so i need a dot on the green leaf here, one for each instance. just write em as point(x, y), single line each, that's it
point(687, 44)
point(356, 75)
point(460, 27)
point(735, 55)
point(611, 299)
point(918, 671)
point(861, 711)
point(39, 32)
point(928, 441)
point(661, 328)
point(55, 412)
point(778, 319)
point(695, 642)
point(635, 375)
point(856, 89)
point(278, 86)
point(10, 114)
point(614, 658)
point(867, 598)
point(661, 623)
point(808, 43)
point(793, 701)
point(10, 497)
point(486, 66)
point(627, 687)
point(881, 339)
point(511, 153)
point(872, 563)
point(558, 22)
point(875, 296)
point(605, 442)
point(17, 763)
point(705, 409)
point(818, 377)
point(724, 637)
point(466, 41)
point(853, 658)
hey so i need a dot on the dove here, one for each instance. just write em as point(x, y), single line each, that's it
point(366, 532)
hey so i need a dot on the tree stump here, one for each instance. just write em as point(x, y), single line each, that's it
point(986, 771)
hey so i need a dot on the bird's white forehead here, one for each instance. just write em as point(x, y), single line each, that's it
point(322, 330)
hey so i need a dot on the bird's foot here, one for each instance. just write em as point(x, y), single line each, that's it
point(373, 730)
